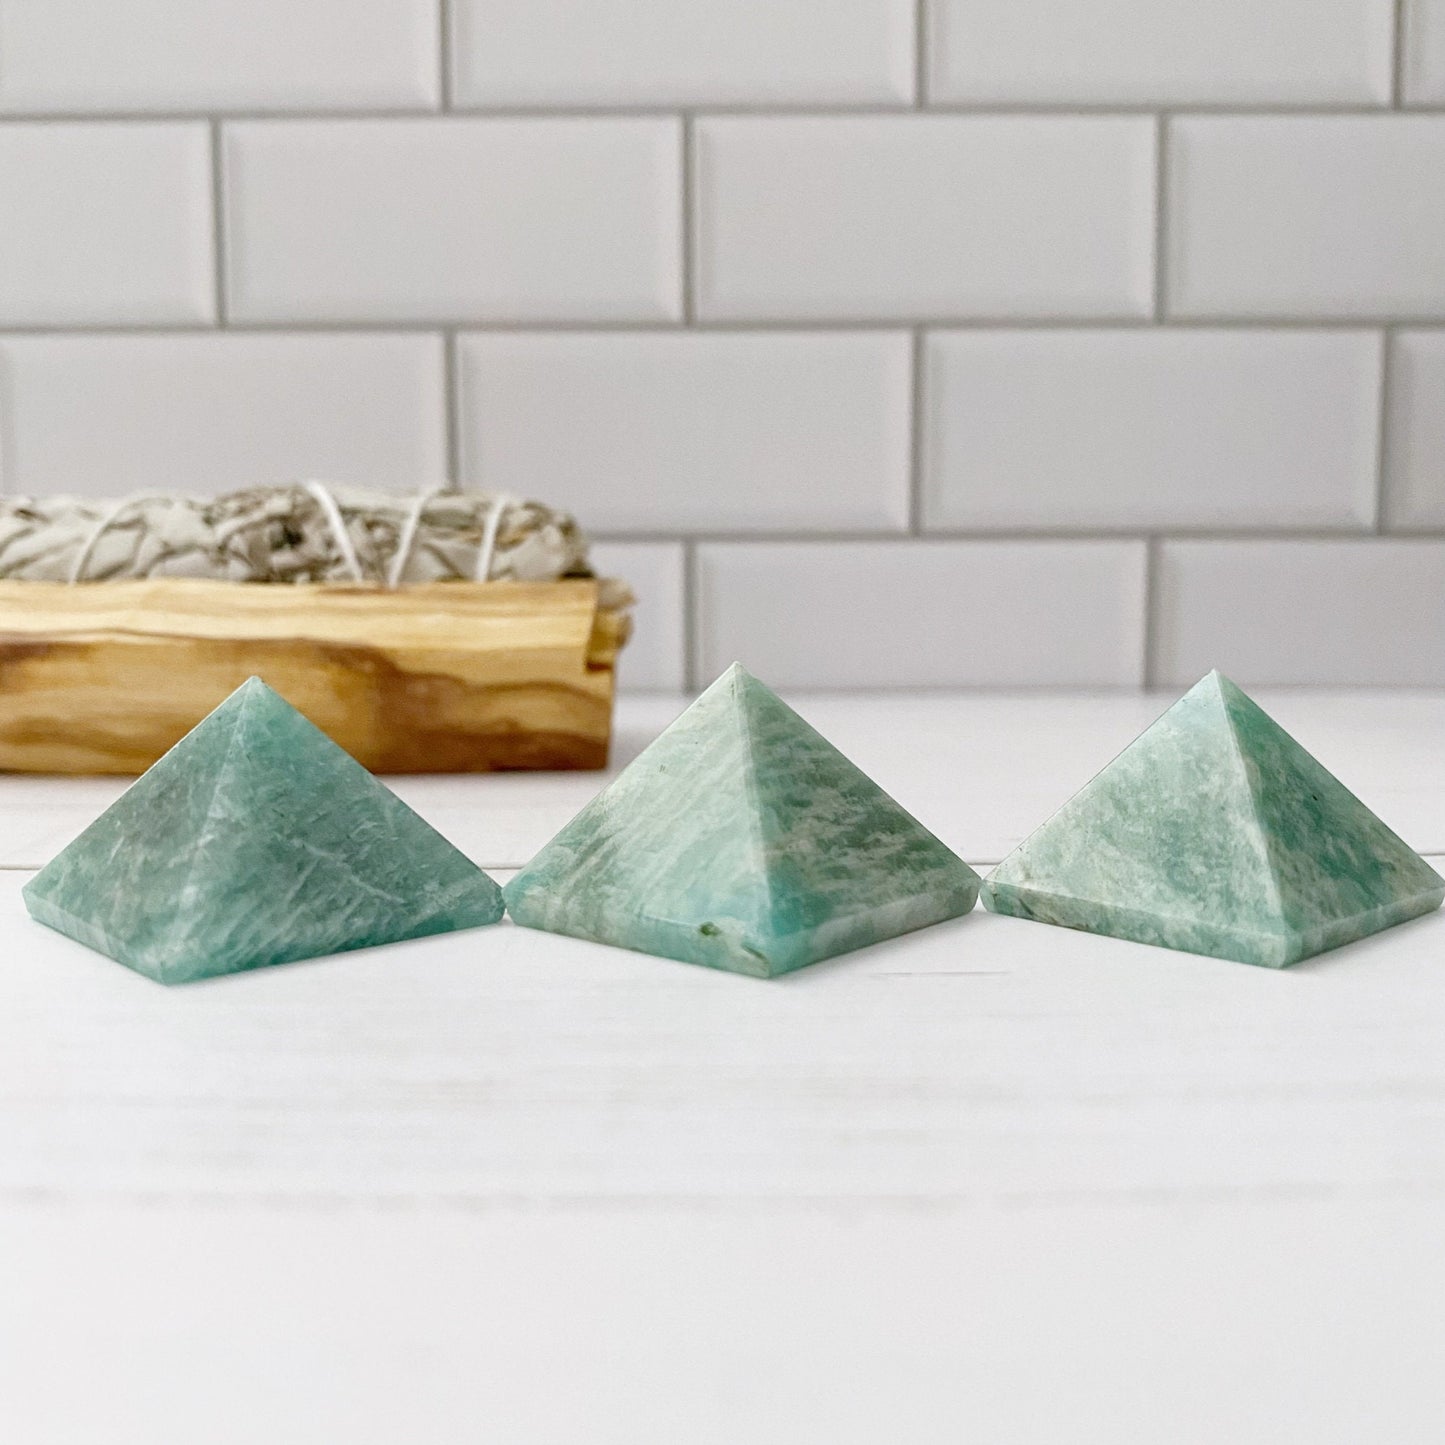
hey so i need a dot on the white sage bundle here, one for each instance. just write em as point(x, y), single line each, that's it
point(306, 532)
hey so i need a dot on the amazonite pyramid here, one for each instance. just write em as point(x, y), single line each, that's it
point(742, 840)
point(1215, 832)
point(255, 840)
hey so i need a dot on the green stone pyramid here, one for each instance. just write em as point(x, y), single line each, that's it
point(255, 840)
point(742, 840)
point(1215, 832)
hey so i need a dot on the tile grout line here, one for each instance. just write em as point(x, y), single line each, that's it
point(916, 439)
point(1161, 221)
point(799, 325)
point(444, 55)
point(760, 109)
point(1382, 436)
point(922, 48)
point(1150, 622)
point(691, 641)
point(688, 239)
point(218, 225)
point(1399, 35)
point(1075, 535)
point(451, 409)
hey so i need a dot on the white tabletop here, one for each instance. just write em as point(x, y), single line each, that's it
point(992, 1181)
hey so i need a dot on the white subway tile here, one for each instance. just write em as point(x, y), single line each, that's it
point(1327, 612)
point(109, 415)
point(653, 660)
point(683, 52)
point(1151, 428)
point(104, 224)
point(426, 220)
point(925, 614)
point(1314, 216)
point(148, 55)
point(1415, 450)
point(895, 217)
point(1169, 52)
point(689, 431)
point(1423, 64)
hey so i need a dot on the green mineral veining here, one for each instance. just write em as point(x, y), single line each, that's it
point(1216, 833)
point(256, 840)
point(742, 840)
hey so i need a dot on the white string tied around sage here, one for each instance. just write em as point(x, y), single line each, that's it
point(486, 548)
point(321, 493)
point(483, 570)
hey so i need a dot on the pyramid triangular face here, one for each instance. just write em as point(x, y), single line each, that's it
point(256, 840)
point(742, 840)
point(1341, 874)
point(1215, 832)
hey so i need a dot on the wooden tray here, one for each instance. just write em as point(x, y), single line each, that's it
point(440, 677)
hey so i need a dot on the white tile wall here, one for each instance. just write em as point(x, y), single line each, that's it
point(105, 223)
point(1168, 52)
point(655, 658)
point(683, 52)
point(1151, 428)
point(682, 432)
point(1424, 52)
point(924, 216)
point(890, 341)
point(149, 55)
point(425, 220)
point(1312, 216)
point(1364, 611)
point(924, 614)
point(1415, 471)
point(110, 415)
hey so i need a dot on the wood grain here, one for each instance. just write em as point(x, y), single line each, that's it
point(441, 677)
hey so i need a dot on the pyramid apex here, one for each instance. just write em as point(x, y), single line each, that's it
point(1222, 685)
point(259, 687)
point(742, 678)
point(254, 695)
point(1219, 679)
point(253, 687)
point(1215, 684)
point(734, 681)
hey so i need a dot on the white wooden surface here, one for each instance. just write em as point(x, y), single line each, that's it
point(994, 1181)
